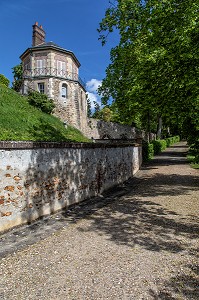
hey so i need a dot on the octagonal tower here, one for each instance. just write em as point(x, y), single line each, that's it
point(54, 71)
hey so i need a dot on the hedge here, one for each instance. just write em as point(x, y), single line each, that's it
point(156, 146)
point(147, 151)
point(172, 140)
point(159, 146)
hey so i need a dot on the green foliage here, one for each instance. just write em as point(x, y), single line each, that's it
point(154, 68)
point(21, 121)
point(41, 101)
point(193, 161)
point(96, 113)
point(4, 80)
point(147, 151)
point(194, 151)
point(18, 77)
point(106, 114)
point(191, 131)
point(172, 140)
point(159, 146)
point(89, 112)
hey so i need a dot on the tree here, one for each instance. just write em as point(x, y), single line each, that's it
point(4, 80)
point(18, 77)
point(89, 111)
point(96, 113)
point(41, 101)
point(154, 69)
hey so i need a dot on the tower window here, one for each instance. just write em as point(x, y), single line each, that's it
point(64, 91)
point(40, 67)
point(41, 87)
point(61, 68)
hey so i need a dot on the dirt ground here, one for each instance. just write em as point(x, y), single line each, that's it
point(137, 241)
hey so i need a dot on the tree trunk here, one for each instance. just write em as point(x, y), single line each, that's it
point(149, 126)
point(159, 130)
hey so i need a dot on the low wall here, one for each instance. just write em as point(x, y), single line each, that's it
point(38, 179)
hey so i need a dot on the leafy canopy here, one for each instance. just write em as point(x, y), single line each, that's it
point(155, 65)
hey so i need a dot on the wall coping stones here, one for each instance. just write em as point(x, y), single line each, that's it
point(14, 145)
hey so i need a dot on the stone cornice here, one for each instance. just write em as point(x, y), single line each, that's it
point(14, 145)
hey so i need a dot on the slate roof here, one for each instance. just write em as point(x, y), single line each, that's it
point(47, 45)
point(51, 45)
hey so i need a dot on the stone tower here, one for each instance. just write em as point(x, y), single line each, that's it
point(53, 70)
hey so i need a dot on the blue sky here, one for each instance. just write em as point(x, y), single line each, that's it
point(72, 24)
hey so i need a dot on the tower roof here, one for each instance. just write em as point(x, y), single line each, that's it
point(49, 46)
point(40, 44)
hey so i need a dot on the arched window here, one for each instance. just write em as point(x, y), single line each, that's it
point(64, 90)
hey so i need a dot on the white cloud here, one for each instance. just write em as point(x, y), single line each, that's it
point(93, 98)
point(93, 84)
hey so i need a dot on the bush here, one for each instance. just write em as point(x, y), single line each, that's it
point(194, 150)
point(4, 80)
point(147, 151)
point(172, 140)
point(159, 146)
point(41, 101)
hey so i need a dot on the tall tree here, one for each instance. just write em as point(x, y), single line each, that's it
point(18, 77)
point(155, 66)
point(89, 111)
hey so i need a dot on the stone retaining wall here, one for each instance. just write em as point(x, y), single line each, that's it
point(38, 179)
point(99, 129)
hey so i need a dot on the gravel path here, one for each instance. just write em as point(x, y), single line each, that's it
point(139, 242)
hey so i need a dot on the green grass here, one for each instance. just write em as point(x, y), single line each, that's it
point(19, 121)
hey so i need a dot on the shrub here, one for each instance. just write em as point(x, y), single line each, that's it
point(194, 150)
point(172, 140)
point(147, 151)
point(41, 101)
point(4, 80)
point(159, 146)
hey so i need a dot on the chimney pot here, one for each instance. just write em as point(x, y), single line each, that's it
point(39, 35)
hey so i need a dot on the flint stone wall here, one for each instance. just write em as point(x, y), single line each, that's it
point(38, 179)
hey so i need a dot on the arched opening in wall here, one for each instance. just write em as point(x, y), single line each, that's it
point(106, 137)
point(64, 91)
point(123, 137)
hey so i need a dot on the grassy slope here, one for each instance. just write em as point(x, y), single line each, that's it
point(19, 121)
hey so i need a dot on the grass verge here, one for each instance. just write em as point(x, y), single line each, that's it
point(19, 121)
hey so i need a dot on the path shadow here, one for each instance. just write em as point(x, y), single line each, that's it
point(133, 222)
point(128, 219)
point(184, 285)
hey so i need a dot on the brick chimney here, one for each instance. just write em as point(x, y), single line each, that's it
point(38, 36)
